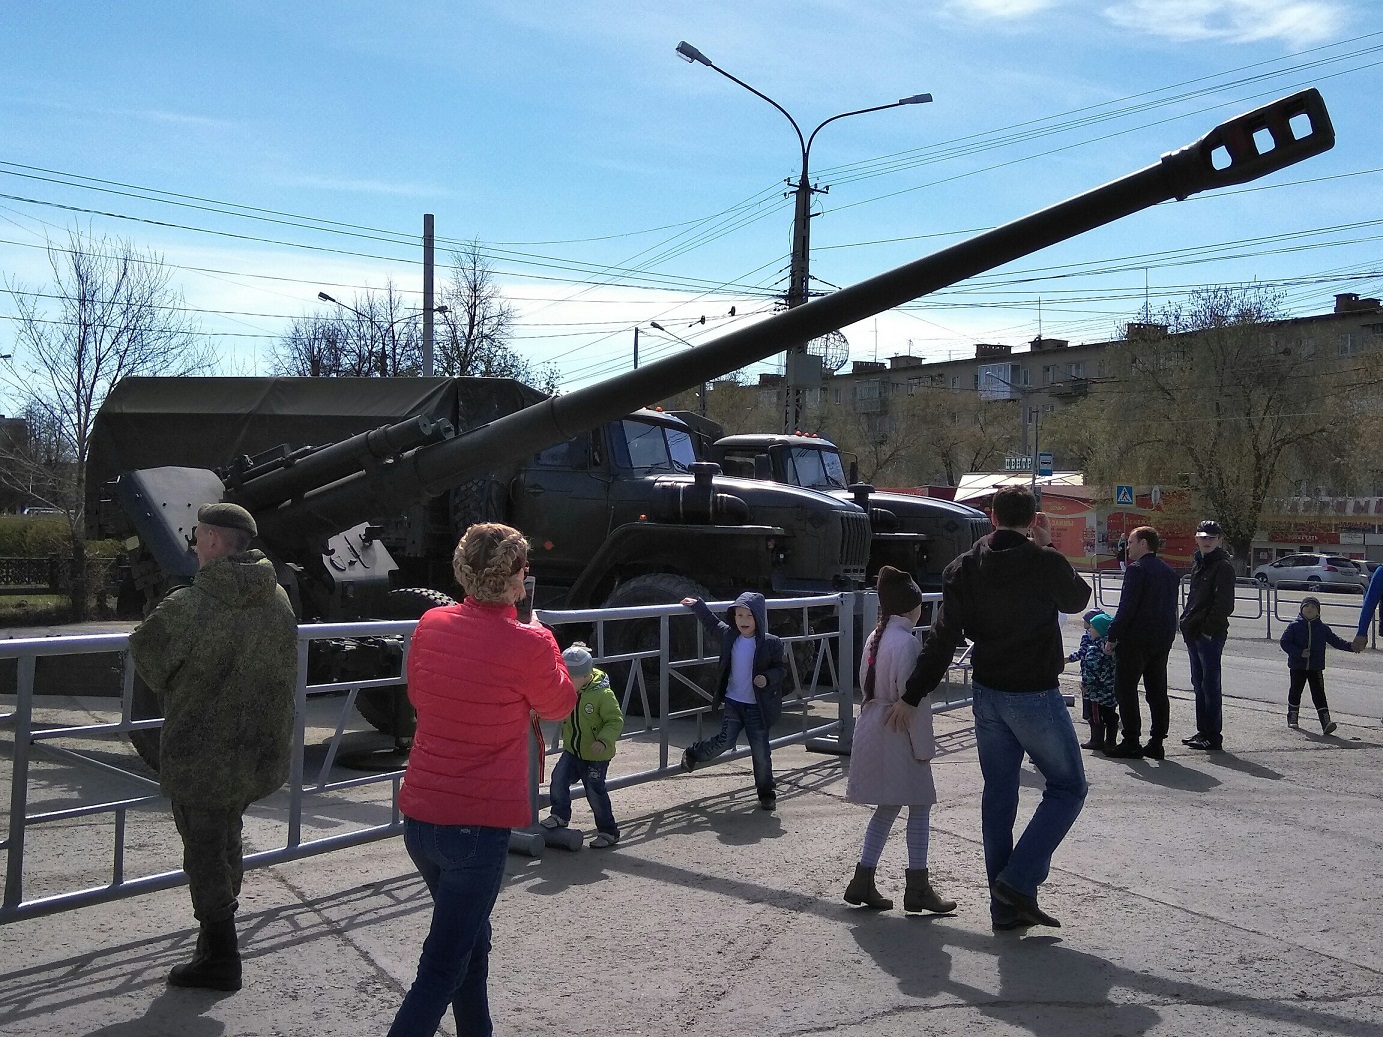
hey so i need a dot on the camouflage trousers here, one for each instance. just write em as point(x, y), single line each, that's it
point(212, 858)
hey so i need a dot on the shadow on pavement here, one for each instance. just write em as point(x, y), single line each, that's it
point(1172, 775)
point(174, 1013)
point(1241, 764)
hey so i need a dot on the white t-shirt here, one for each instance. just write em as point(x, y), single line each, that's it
point(740, 687)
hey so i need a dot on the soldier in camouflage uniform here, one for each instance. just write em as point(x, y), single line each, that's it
point(222, 657)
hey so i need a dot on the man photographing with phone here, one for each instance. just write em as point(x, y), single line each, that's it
point(1005, 594)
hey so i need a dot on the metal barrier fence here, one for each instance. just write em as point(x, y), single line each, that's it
point(1257, 600)
point(821, 661)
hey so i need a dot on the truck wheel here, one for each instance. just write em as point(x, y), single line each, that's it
point(388, 709)
point(642, 635)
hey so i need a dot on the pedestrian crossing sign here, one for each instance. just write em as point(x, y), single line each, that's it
point(1123, 496)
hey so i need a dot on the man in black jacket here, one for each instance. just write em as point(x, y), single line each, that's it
point(1141, 638)
point(1004, 594)
point(1205, 625)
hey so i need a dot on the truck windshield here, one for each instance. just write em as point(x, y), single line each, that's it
point(653, 448)
point(818, 469)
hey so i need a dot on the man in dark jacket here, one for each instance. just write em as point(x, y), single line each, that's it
point(1205, 625)
point(1004, 594)
point(222, 656)
point(1141, 638)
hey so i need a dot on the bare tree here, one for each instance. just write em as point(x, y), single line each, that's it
point(473, 335)
point(110, 311)
point(375, 334)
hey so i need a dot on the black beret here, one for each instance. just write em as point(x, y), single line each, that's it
point(227, 516)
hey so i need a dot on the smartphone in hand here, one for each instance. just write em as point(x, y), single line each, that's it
point(525, 604)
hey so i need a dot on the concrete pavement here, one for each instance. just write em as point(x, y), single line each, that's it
point(1230, 893)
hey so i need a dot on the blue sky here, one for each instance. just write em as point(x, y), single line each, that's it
point(613, 184)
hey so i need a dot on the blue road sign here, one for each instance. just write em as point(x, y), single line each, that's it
point(1044, 464)
point(1123, 496)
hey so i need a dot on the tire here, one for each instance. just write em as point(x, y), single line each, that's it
point(641, 635)
point(1262, 578)
point(388, 709)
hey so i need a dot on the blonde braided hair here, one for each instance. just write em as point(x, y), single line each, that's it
point(486, 558)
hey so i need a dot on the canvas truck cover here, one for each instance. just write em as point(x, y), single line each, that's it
point(208, 422)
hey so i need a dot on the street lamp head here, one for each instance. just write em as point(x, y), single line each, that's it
point(655, 324)
point(916, 99)
point(693, 56)
point(325, 297)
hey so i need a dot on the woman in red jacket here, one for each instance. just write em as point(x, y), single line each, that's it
point(474, 674)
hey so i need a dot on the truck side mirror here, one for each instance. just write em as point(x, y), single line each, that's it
point(763, 468)
point(854, 473)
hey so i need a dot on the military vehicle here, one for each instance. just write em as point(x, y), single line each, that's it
point(920, 535)
point(319, 507)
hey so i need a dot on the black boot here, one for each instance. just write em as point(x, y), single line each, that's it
point(1111, 731)
point(1096, 736)
point(861, 890)
point(215, 963)
point(919, 895)
point(1327, 725)
point(1292, 721)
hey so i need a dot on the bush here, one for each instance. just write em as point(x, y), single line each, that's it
point(43, 536)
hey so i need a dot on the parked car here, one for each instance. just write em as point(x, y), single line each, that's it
point(1333, 570)
point(1366, 569)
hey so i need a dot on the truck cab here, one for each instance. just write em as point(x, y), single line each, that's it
point(920, 535)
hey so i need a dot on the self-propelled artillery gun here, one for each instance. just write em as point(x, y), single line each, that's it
point(324, 512)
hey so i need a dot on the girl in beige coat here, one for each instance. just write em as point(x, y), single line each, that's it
point(892, 769)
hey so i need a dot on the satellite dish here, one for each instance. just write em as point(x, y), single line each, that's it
point(833, 349)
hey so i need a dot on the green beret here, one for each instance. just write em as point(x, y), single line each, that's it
point(227, 516)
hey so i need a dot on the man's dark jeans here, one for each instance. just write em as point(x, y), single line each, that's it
point(1134, 661)
point(463, 868)
point(211, 856)
point(1205, 655)
point(740, 716)
point(591, 774)
point(1008, 726)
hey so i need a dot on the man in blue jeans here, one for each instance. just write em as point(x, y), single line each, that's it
point(1205, 625)
point(1004, 594)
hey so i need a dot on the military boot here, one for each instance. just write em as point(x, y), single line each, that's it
point(919, 895)
point(215, 964)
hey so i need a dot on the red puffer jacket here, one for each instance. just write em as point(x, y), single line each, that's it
point(474, 672)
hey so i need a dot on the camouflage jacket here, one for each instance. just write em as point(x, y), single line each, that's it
point(222, 656)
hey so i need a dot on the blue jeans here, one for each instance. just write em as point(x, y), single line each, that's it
point(591, 773)
point(740, 716)
point(1007, 725)
point(463, 868)
point(1205, 655)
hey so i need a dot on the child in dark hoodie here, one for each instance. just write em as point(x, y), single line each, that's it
point(750, 683)
point(1304, 641)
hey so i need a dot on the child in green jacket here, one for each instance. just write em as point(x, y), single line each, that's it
point(588, 745)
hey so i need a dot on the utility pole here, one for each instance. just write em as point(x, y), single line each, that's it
point(794, 360)
point(636, 347)
point(427, 294)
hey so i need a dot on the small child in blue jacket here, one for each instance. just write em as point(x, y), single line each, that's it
point(751, 685)
point(1100, 705)
point(1304, 641)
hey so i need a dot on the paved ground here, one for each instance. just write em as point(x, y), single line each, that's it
point(1231, 893)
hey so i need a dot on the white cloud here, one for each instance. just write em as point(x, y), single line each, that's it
point(986, 9)
point(1234, 21)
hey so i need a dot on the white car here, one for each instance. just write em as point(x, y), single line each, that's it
point(1366, 569)
point(1310, 570)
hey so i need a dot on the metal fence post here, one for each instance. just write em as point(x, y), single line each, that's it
point(19, 788)
point(845, 671)
point(295, 766)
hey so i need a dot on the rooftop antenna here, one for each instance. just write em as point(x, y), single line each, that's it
point(1147, 303)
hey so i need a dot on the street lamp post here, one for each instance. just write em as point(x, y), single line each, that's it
point(387, 332)
point(701, 398)
point(799, 274)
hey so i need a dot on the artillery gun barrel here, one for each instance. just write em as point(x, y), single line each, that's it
point(333, 462)
point(1237, 151)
